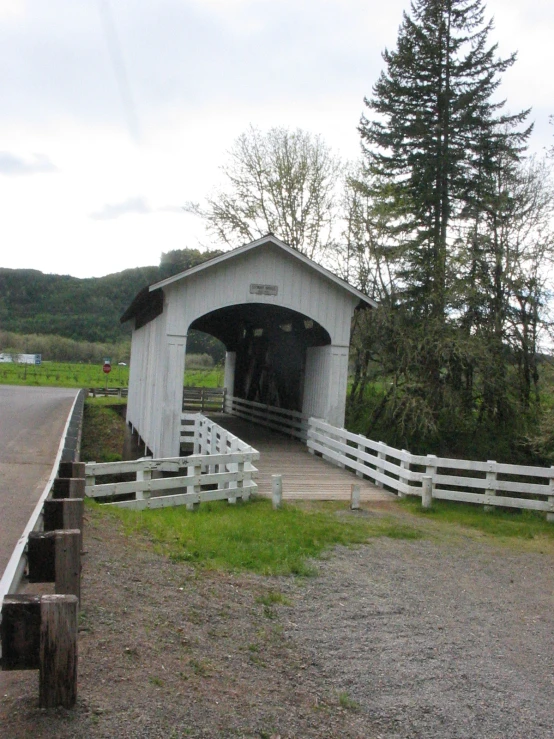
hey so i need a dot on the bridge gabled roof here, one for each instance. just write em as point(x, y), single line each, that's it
point(264, 240)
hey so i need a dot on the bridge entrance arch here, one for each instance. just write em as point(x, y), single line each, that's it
point(266, 350)
point(285, 322)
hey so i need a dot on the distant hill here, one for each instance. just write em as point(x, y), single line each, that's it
point(81, 309)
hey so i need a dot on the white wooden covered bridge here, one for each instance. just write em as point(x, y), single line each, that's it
point(284, 320)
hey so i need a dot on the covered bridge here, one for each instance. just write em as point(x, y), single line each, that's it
point(285, 322)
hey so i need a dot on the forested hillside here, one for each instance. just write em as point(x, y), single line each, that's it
point(84, 309)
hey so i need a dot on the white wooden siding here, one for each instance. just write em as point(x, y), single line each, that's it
point(299, 288)
point(157, 355)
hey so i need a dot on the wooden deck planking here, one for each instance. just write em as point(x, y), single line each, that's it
point(305, 476)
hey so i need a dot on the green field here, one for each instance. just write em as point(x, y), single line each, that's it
point(63, 374)
point(76, 374)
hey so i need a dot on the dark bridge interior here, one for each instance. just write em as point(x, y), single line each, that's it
point(270, 343)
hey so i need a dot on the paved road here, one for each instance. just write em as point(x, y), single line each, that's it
point(31, 424)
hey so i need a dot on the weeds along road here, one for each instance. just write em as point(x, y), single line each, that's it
point(32, 420)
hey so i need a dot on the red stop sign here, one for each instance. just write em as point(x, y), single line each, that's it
point(107, 368)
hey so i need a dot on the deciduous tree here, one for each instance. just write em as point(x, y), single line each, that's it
point(279, 181)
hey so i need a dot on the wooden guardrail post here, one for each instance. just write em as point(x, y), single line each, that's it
point(68, 487)
point(40, 632)
point(55, 556)
point(355, 497)
point(490, 491)
point(66, 513)
point(20, 632)
point(58, 651)
point(71, 469)
point(276, 491)
point(426, 491)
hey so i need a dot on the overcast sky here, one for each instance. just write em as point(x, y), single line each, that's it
point(113, 113)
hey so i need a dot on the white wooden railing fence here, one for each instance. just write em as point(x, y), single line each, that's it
point(220, 468)
point(488, 483)
point(287, 422)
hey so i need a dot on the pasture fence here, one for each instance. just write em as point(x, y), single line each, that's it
point(204, 399)
point(117, 392)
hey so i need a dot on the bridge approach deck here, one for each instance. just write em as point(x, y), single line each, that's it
point(304, 475)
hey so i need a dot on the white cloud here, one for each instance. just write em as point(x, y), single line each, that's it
point(110, 211)
point(11, 164)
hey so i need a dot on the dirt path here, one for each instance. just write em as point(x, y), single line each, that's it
point(446, 638)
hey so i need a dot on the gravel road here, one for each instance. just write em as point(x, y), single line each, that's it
point(436, 640)
point(447, 636)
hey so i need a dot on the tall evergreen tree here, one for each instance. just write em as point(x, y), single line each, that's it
point(431, 117)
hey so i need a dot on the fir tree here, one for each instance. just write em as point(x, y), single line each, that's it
point(432, 118)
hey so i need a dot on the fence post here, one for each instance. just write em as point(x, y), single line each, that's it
point(213, 446)
point(89, 479)
point(222, 450)
point(361, 448)
point(58, 651)
point(550, 516)
point(426, 491)
point(309, 435)
point(143, 475)
point(339, 437)
point(240, 483)
point(381, 456)
point(431, 469)
point(404, 466)
point(195, 444)
point(196, 470)
point(276, 491)
point(490, 491)
point(355, 497)
point(247, 480)
point(233, 467)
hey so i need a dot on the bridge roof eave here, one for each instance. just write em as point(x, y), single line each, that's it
point(269, 239)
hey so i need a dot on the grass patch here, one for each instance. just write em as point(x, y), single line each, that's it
point(252, 536)
point(103, 434)
point(501, 523)
point(345, 701)
point(272, 598)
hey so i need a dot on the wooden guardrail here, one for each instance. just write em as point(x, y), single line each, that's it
point(204, 399)
point(292, 423)
point(40, 631)
point(488, 483)
point(221, 468)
